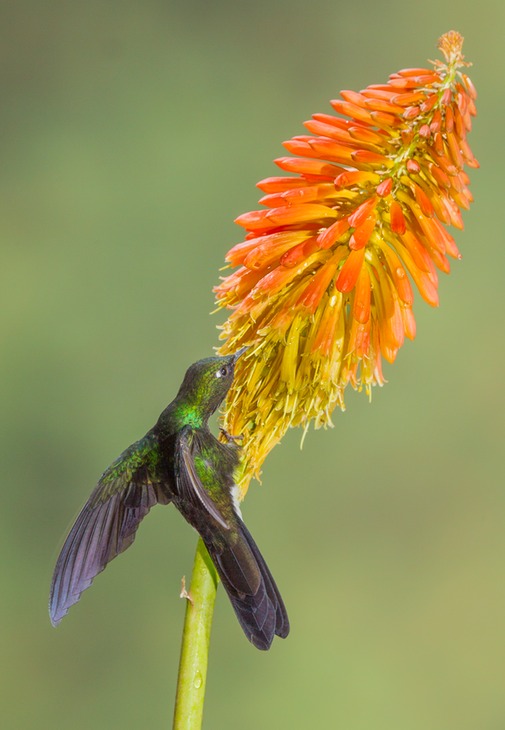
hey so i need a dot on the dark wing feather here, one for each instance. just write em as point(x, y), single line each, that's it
point(189, 485)
point(107, 524)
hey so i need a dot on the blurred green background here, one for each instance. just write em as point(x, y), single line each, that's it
point(132, 134)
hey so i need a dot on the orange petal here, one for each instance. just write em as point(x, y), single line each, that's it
point(409, 322)
point(468, 154)
point(264, 249)
point(381, 105)
point(362, 212)
point(384, 120)
point(328, 130)
point(423, 201)
point(362, 297)
point(234, 287)
point(398, 275)
point(351, 110)
point(330, 235)
point(436, 120)
point(364, 134)
point(449, 119)
point(412, 72)
point(280, 277)
point(320, 282)
point(429, 102)
point(264, 219)
point(325, 337)
point(349, 272)
point(299, 252)
point(409, 99)
point(384, 188)
point(411, 112)
point(362, 233)
point(320, 192)
point(438, 144)
point(352, 96)
point(469, 86)
point(355, 177)
point(459, 123)
point(440, 176)
point(427, 288)
point(413, 166)
point(308, 167)
point(418, 252)
point(319, 147)
point(365, 157)
point(398, 223)
point(280, 184)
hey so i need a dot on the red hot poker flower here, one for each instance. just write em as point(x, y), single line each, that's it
point(324, 288)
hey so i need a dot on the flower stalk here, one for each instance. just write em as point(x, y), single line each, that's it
point(193, 662)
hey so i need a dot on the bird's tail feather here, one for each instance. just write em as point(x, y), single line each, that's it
point(250, 587)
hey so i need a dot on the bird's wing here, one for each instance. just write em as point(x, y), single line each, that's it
point(189, 484)
point(107, 523)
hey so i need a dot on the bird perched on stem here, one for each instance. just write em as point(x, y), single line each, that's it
point(179, 461)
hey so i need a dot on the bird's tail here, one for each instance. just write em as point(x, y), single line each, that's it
point(250, 587)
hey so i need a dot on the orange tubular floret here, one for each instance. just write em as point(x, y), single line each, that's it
point(237, 285)
point(362, 297)
point(423, 201)
point(353, 97)
point(325, 337)
point(278, 184)
point(381, 105)
point(311, 168)
point(280, 277)
point(449, 119)
point(355, 177)
point(398, 223)
point(260, 251)
point(384, 188)
point(362, 212)
point(328, 130)
point(364, 134)
point(318, 192)
point(398, 275)
point(412, 72)
point(319, 147)
point(413, 166)
point(330, 235)
point(362, 233)
point(420, 255)
point(286, 215)
point(319, 283)
point(299, 252)
point(351, 110)
point(409, 322)
point(385, 121)
point(365, 157)
point(349, 272)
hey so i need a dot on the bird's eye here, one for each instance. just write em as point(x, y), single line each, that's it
point(222, 372)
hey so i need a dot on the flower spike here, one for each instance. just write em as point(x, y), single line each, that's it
point(325, 285)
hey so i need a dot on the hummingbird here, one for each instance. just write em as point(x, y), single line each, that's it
point(178, 461)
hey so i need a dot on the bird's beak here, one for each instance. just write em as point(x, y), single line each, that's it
point(239, 353)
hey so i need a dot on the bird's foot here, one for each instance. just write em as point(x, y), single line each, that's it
point(229, 437)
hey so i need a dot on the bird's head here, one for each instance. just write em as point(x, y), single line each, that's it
point(207, 382)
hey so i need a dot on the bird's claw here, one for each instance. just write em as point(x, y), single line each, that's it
point(229, 437)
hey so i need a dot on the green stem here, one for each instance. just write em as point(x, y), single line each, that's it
point(195, 643)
